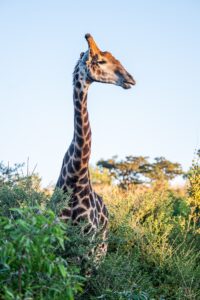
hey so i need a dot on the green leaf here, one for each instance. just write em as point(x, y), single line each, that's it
point(19, 210)
point(70, 294)
point(23, 224)
point(61, 242)
point(62, 270)
point(8, 226)
point(9, 294)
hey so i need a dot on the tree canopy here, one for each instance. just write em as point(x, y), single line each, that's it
point(140, 170)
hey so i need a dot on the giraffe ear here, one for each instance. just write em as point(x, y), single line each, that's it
point(93, 48)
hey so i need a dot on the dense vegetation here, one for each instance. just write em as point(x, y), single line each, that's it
point(154, 240)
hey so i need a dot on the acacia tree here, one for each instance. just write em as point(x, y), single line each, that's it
point(139, 170)
point(163, 170)
point(126, 171)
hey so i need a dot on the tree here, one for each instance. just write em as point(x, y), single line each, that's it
point(126, 172)
point(163, 170)
point(9, 175)
point(139, 170)
point(14, 175)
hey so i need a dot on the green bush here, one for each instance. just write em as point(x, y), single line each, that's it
point(34, 242)
point(153, 250)
point(30, 267)
point(153, 253)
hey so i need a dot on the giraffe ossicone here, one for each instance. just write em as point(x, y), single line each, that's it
point(93, 65)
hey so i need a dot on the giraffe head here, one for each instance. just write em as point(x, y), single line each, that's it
point(103, 67)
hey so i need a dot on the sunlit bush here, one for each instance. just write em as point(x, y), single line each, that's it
point(153, 240)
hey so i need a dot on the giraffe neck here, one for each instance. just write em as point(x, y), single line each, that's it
point(82, 130)
point(80, 148)
point(74, 171)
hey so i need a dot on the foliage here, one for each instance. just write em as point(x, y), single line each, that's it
point(194, 183)
point(33, 244)
point(30, 266)
point(138, 170)
point(126, 171)
point(153, 250)
point(163, 169)
point(8, 174)
point(153, 253)
point(100, 177)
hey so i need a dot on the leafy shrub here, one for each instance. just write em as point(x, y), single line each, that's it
point(194, 191)
point(30, 266)
point(153, 250)
point(33, 263)
point(153, 241)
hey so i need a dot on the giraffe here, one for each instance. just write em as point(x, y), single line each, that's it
point(85, 205)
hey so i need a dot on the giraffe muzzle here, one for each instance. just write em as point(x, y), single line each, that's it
point(127, 83)
point(125, 79)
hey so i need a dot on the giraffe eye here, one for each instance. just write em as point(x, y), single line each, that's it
point(101, 62)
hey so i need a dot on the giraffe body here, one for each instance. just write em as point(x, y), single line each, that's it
point(85, 205)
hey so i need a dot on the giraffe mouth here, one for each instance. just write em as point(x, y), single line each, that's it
point(128, 84)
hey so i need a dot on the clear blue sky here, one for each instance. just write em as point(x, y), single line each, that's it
point(157, 41)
